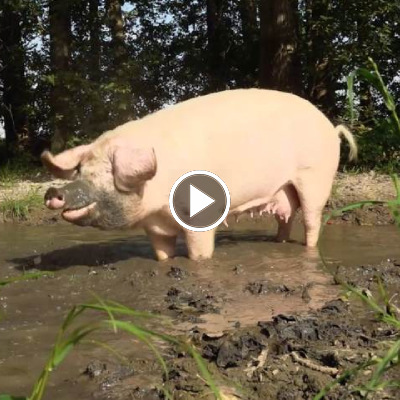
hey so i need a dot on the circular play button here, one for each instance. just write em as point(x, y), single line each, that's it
point(199, 201)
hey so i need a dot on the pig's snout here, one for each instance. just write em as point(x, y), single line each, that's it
point(54, 198)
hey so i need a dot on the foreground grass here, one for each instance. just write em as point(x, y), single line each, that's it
point(70, 335)
point(19, 208)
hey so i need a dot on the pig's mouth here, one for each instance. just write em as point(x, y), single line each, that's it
point(75, 215)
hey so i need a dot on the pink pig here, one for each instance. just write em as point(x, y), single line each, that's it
point(275, 151)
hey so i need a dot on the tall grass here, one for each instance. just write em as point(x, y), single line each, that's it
point(379, 137)
point(384, 309)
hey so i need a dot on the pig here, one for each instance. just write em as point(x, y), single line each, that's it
point(275, 151)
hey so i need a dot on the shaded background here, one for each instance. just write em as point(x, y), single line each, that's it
point(71, 69)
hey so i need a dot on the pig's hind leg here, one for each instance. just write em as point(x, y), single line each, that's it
point(286, 204)
point(314, 189)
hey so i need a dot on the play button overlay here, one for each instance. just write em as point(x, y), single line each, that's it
point(199, 201)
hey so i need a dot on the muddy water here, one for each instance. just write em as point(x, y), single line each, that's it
point(250, 279)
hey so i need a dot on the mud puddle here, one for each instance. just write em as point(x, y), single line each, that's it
point(256, 300)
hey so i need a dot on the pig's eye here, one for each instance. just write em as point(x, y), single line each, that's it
point(78, 168)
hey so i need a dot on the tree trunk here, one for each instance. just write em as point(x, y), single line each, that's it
point(12, 74)
point(96, 118)
point(120, 70)
point(60, 41)
point(250, 33)
point(279, 59)
point(322, 83)
point(95, 42)
point(216, 45)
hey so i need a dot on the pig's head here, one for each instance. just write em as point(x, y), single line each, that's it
point(108, 182)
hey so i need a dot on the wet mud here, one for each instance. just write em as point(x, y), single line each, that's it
point(271, 321)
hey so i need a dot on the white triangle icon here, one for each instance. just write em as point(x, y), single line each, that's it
point(198, 201)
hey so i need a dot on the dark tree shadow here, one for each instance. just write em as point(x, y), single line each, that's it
point(226, 238)
point(104, 253)
point(90, 254)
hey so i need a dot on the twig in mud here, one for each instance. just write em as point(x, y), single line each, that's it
point(226, 393)
point(316, 367)
point(261, 359)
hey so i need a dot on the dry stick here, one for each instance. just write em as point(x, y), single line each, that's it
point(309, 364)
point(262, 359)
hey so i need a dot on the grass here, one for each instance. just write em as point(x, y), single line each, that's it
point(25, 277)
point(19, 208)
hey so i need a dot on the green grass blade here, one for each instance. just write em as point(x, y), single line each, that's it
point(396, 184)
point(380, 85)
point(63, 350)
point(201, 365)
point(383, 365)
point(25, 277)
point(141, 335)
point(117, 309)
point(350, 207)
point(344, 377)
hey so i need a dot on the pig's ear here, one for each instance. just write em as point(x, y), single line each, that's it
point(65, 165)
point(132, 167)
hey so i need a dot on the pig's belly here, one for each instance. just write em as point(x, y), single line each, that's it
point(248, 191)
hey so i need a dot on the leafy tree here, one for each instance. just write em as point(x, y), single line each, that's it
point(73, 69)
point(12, 74)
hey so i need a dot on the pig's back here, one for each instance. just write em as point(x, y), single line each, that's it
point(249, 137)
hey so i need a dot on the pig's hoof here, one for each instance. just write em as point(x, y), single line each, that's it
point(162, 256)
point(199, 257)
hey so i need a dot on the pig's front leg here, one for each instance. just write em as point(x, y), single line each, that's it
point(163, 245)
point(200, 244)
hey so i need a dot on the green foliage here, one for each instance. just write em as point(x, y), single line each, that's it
point(167, 60)
point(380, 142)
point(19, 208)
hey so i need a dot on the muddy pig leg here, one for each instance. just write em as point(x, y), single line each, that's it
point(200, 244)
point(313, 189)
point(288, 204)
point(164, 246)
